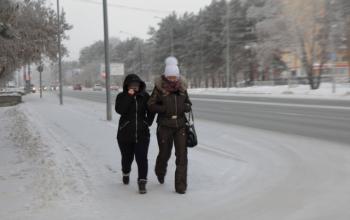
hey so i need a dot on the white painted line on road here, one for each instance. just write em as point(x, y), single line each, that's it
point(291, 114)
point(273, 104)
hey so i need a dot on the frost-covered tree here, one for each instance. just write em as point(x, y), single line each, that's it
point(298, 26)
point(199, 41)
point(272, 33)
point(32, 30)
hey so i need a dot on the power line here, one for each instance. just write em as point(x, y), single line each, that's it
point(128, 7)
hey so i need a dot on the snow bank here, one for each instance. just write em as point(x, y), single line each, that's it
point(325, 91)
point(10, 94)
point(10, 99)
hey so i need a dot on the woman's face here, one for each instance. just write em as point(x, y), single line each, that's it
point(172, 78)
point(134, 86)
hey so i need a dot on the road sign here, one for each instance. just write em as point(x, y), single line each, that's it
point(117, 69)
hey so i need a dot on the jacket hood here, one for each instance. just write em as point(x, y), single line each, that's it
point(133, 78)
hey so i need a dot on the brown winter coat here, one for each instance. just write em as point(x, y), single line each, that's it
point(170, 106)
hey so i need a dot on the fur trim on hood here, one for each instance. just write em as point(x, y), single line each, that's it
point(159, 82)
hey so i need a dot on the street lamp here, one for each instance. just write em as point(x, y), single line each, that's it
point(107, 64)
point(228, 63)
point(40, 70)
point(334, 57)
point(59, 53)
point(249, 50)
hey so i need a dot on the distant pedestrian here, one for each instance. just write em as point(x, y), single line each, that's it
point(133, 131)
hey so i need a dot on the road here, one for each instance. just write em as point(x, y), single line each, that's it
point(322, 119)
point(68, 157)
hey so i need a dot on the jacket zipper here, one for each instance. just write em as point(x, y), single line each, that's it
point(176, 111)
point(136, 119)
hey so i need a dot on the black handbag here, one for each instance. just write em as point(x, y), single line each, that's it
point(192, 140)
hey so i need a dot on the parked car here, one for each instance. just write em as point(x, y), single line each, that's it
point(77, 87)
point(149, 86)
point(44, 88)
point(97, 87)
point(53, 87)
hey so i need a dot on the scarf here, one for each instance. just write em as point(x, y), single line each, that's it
point(171, 86)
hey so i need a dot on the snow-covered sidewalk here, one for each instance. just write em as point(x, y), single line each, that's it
point(62, 162)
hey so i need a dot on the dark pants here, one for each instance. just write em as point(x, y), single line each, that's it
point(166, 138)
point(140, 152)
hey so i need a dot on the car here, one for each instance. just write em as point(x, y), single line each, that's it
point(97, 87)
point(44, 88)
point(32, 89)
point(149, 86)
point(114, 88)
point(77, 87)
point(53, 87)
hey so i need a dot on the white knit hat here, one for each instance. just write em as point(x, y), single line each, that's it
point(171, 68)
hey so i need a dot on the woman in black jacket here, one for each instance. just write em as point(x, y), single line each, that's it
point(133, 131)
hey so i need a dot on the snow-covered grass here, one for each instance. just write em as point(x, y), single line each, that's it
point(63, 162)
point(9, 94)
point(297, 91)
point(16, 91)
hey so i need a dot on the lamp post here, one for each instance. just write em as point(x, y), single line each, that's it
point(59, 53)
point(228, 63)
point(334, 58)
point(107, 64)
point(40, 70)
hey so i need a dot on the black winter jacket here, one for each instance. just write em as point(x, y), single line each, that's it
point(135, 118)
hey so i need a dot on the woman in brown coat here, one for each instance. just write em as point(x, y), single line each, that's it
point(170, 100)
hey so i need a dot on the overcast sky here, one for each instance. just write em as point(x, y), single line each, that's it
point(86, 17)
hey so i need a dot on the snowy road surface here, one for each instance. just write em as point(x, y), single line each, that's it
point(62, 162)
point(326, 119)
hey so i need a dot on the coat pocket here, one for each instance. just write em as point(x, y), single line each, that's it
point(124, 125)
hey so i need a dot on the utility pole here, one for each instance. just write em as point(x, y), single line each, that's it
point(59, 52)
point(228, 63)
point(40, 70)
point(29, 78)
point(107, 66)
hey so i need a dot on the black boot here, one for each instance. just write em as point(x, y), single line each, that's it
point(126, 178)
point(142, 186)
point(160, 179)
point(180, 188)
point(180, 191)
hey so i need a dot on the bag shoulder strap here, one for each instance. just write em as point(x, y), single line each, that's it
point(190, 116)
